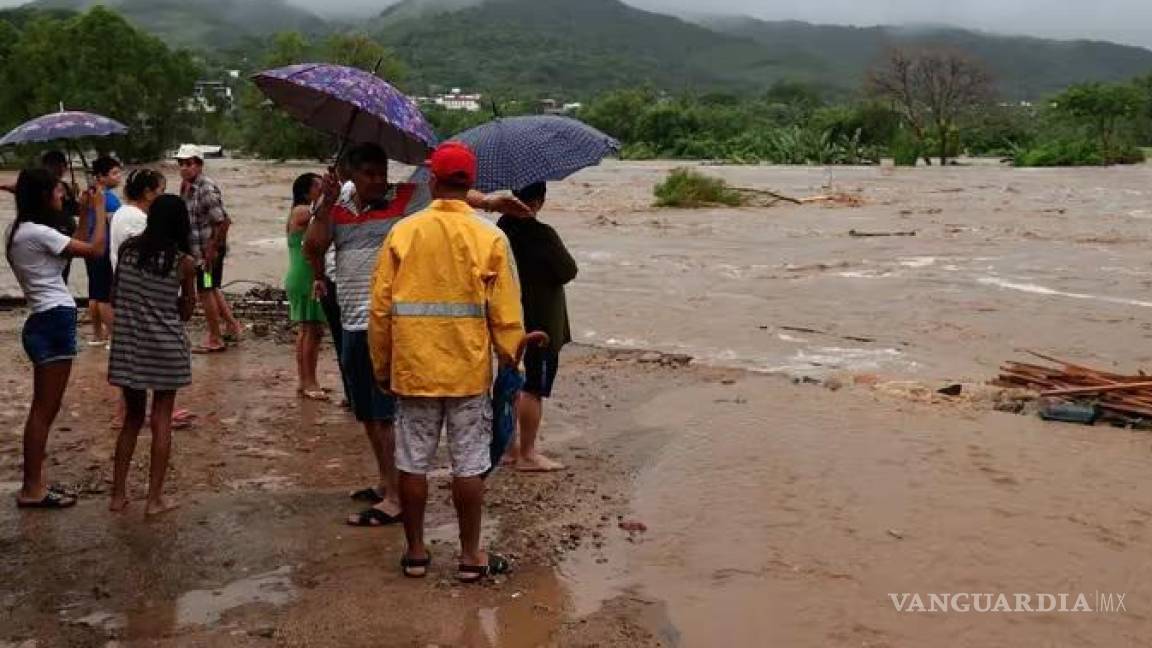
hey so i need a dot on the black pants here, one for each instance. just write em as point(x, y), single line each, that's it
point(332, 314)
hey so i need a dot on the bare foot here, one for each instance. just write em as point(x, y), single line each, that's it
point(389, 507)
point(159, 507)
point(538, 463)
point(118, 503)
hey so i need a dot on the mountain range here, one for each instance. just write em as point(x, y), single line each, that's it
point(576, 48)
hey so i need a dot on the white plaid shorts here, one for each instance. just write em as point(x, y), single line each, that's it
point(468, 422)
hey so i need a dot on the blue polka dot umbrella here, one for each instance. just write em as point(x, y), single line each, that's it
point(514, 152)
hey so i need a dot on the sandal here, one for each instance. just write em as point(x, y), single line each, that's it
point(182, 419)
point(373, 518)
point(370, 495)
point(313, 394)
point(204, 350)
point(409, 565)
point(52, 500)
point(496, 566)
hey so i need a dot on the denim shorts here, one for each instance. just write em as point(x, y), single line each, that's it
point(369, 403)
point(50, 336)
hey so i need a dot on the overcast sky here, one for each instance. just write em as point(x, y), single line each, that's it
point(1128, 21)
point(1125, 21)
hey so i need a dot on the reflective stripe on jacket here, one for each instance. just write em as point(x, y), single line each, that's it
point(445, 293)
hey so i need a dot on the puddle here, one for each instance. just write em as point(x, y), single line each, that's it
point(206, 607)
point(101, 620)
point(195, 608)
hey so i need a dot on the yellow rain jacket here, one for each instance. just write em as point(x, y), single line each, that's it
point(444, 294)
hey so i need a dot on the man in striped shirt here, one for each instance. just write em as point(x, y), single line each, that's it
point(355, 219)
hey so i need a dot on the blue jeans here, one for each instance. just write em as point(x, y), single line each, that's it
point(50, 336)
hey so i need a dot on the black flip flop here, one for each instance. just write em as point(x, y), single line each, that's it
point(374, 518)
point(52, 500)
point(407, 563)
point(369, 495)
point(63, 490)
point(496, 566)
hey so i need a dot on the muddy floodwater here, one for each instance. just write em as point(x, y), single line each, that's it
point(784, 488)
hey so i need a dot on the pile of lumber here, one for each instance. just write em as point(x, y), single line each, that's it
point(1117, 396)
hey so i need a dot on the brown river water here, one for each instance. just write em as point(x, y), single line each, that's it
point(777, 514)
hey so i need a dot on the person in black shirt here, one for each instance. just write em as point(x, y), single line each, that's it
point(545, 266)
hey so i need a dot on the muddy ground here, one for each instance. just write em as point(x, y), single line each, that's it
point(778, 511)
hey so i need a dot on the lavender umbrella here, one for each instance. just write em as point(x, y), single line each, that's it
point(353, 104)
point(67, 125)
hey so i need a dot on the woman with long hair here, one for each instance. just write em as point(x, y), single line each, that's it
point(154, 295)
point(304, 309)
point(141, 189)
point(38, 253)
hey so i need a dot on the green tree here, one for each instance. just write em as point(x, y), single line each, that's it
point(98, 62)
point(1105, 109)
point(935, 91)
point(268, 131)
point(360, 51)
point(618, 113)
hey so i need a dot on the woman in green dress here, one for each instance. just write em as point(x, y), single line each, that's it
point(304, 308)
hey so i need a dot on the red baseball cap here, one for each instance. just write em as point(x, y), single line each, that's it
point(453, 162)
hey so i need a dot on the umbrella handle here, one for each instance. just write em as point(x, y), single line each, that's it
point(83, 161)
point(536, 339)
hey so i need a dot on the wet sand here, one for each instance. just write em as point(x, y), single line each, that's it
point(775, 513)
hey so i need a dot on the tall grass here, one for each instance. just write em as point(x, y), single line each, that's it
point(689, 188)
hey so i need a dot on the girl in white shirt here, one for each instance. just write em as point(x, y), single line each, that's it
point(140, 191)
point(38, 253)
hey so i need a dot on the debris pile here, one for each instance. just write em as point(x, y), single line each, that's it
point(265, 310)
point(765, 198)
point(1078, 393)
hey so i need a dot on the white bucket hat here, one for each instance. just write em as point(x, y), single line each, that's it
point(189, 152)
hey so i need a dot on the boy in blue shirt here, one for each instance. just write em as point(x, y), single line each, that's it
point(110, 172)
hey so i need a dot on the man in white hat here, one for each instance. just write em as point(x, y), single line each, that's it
point(209, 244)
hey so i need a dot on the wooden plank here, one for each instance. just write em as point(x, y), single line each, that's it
point(1076, 391)
point(1127, 409)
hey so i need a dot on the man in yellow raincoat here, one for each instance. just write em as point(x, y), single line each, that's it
point(444, 296)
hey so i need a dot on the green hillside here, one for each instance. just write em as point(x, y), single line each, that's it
point(572, 48)
point(578, 49)
point(1023, 67)
point(204, 24)
point(582, 48)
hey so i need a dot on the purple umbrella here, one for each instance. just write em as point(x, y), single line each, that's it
point(353, 104)
point(63, 126)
